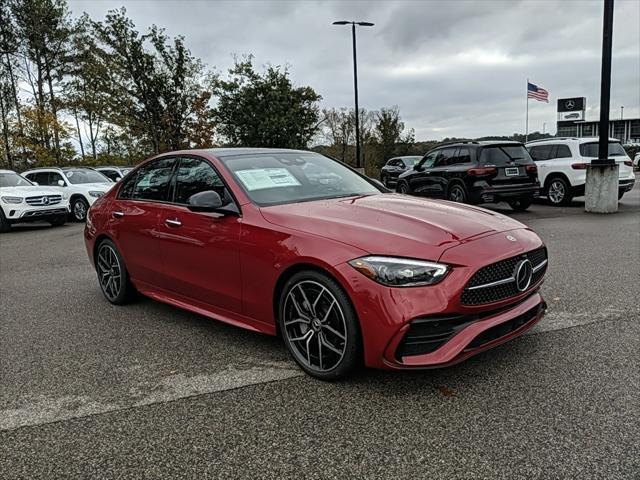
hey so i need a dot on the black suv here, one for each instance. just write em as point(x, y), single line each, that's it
point(475, 172)
point(394, 167)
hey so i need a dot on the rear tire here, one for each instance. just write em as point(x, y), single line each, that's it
point(521, 204)
point(558, 192)
point(113, 276)
point(5, 226)
point(457, 193)
point(319, 326)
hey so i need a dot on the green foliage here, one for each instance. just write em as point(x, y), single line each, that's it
point(265, 109)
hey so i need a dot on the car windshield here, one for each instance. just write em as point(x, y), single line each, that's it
point(85, 175)
point(278, 178)
point(12, 179)
point(410, 161)
point(499, 155)
point(591, 150)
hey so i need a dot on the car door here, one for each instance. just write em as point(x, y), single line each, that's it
point(436, 183)
point(201, 249)
point(543, 155)
point(135, 216)
point(418, 178)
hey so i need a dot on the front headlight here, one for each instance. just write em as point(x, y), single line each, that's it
point(14, 200)
point(96, 194)
point(400, 272)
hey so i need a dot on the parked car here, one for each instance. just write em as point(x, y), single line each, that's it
point(636, 160)
point(21, 201)
point(81, 184)
point(343, 271)
point(475, 172)
point(562, 166)
point(394, 167)
point(114, 174)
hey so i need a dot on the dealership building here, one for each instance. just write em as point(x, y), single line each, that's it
point(572, 123)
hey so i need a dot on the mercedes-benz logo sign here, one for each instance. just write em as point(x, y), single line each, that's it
point(523, 273)
point(570, 104)
point(45, 200)
point(511, 239)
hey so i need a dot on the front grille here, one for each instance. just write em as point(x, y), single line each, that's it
point(43, 200)
point(505, 328)
point(425, 335)
point(496, 282)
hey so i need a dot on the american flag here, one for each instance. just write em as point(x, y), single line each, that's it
point(534, 91)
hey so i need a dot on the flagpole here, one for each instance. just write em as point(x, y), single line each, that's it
point(526, 128)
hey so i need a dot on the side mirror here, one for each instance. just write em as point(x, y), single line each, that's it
point(118, 179)
point(36, 184)
point(418, 167)
point(207, 201)
point(61, 183)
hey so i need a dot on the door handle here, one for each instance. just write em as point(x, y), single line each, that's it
point(173, 222)
point(117, 214)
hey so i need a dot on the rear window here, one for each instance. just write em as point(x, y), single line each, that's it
point(591, 150)
point(500, 155)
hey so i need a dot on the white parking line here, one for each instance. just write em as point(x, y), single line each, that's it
point(41, 410)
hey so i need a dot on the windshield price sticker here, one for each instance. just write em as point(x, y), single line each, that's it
point(261, 178)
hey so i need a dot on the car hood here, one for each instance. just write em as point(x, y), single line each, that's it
point(101, 186)
point(392, 224)
point(32, 190)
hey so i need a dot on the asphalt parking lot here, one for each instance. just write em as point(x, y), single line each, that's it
point(90, 390)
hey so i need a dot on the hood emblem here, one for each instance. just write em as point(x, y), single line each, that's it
point(511, 239)
point(523, 273)
point(45, 200)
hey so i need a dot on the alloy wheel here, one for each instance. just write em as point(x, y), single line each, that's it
point(79, 210)
point(315, 326)
point(556, 192)
point(456, 194)
point(109, 272)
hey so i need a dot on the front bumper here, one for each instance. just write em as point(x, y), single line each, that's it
point(386, 313)
point(20, 214)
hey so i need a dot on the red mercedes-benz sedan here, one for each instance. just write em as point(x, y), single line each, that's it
point(296, 244)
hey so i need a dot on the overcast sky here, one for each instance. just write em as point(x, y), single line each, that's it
point(454, 68)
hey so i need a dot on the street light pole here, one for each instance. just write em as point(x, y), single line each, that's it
point(621, 112)
point(355, 80)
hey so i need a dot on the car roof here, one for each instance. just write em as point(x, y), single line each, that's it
point(227, 152)
point(578, 140)
point(2, 170)
point(479, 143)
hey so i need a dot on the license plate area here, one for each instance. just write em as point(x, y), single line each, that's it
point(512, 171)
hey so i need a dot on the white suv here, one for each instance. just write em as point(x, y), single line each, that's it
point(562, 166)
point(82, 185)
point(21, 201)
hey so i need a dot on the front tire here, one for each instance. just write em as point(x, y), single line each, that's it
point(521, 204)
point(79, 208)
point(112, 274)
point(319, 326)
point(402, 187)
point(385, 180)
point(5, 226)
point(58, 221)
point(558, 192)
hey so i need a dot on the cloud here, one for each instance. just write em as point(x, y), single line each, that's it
point(454, 68)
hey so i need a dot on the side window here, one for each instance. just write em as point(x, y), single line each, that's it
point(32, 176)
point(429, 160)
point(195, 175)
point(41, 178)
point(401, 164)
point(541, 152)
point(445, 157)
point(464, 156)
point(150, 182)
point(111, 174)
point(563, 152)
point(54, 177)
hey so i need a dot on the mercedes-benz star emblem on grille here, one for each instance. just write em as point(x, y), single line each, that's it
point(523, 273)
point(511, 239)
point(569, 104)
point(45, 200)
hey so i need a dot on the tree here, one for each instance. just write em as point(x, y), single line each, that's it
point(153, 93)
point(265, 109)
point(44, 30)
